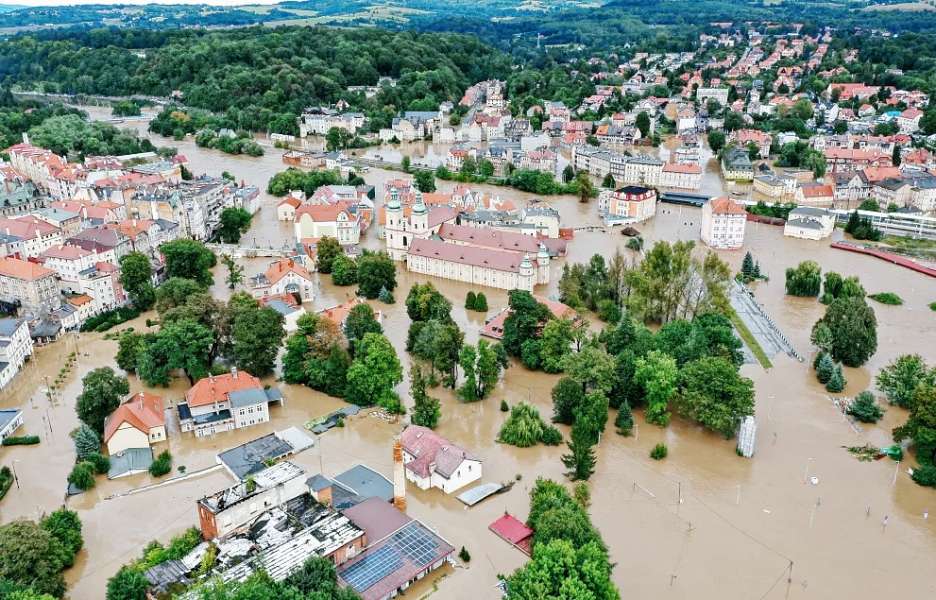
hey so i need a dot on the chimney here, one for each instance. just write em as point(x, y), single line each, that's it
point(234, 372)
point(399, 480)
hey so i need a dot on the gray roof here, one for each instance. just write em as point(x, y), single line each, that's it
point(809, 211)
point(281, 307)
point(318, 483)
point(366, 482)
point(7, 415)
point(248, 397)
point(248, 458)
point(9, 326)
point(131, 460)
point(805, 223)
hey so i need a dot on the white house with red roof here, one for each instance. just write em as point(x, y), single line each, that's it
point(226, 402)
point(137, 423)
point(723, 222)
point(332, 220)
point(284, 276)
point(430, 460)
point(909, 120)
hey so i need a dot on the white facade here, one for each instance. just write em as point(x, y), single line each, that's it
point(723, 223)
point(809, 223)
point(16, 346)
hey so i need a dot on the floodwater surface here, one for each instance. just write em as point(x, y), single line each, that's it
point(702, 524)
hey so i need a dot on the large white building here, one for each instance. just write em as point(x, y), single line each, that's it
point(16, 346)
point(808, 223)
point(629, 204)
point(723, 222)
point(332, 220)
point(430, 460)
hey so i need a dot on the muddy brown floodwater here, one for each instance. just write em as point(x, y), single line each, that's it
point(703, 524)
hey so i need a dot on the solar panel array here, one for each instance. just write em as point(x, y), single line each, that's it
point(413, 543)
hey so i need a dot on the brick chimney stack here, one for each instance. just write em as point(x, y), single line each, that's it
point(399, 480)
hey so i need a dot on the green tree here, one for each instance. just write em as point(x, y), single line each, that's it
point(87, 441)
point(326, 251)
point(344, 270)
point(608, 182)
point(524, 428)
point(32, 557)
point(566, 397)
point(127, 584)
point(900, 378)
point(424, 180)
point(65, 526)
point(482, 368)
point(920, 427)
point(865, 408)
point(837, 381)
point(361, 320)
point(424, 302)
point(556, 344)
point(426, 409)
point(568, 173)
point(82, 475)
point(101, 392)
point(481, 303)
point(136, 277)
point(716, 140)
point(189, 259)
point(524, 322)
point(470, 300)
point(235, 272)
point(234, 223)
point(658, 375)
point(405, 164)
point(439, 343)
point(592, 369)
point(643, 123)
point(176, 292)
point(189, 346)
point(825, 368)
point(375, 271)
point(374, 373)
point(805, 280)
point(854, 330)
point(584, 187)
point(713, 393)
point(624, 420)
point(256, 336)
point(581, 457)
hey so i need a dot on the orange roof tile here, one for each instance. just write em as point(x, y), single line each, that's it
point(215, 388)
point(21, 269)
point(143, 411)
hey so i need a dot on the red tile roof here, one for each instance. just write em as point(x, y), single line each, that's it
point(143, 411)
point(281, 268)
point(499, 260)
point(432, 452)
point(215, 388)
point(726, 206)
point(21, 269)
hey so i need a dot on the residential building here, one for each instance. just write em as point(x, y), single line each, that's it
point(809, 223)
point(237, 506)
point(723, 222)
point(16, 346)
point(28, 236)
point(815, 194)
point(494, 327)
point(28, 287)
point(775, 186)
point(333, 220)
point(284, 276)
point(317, 121)
point(431, 461)
point(286, 305)
point(629, 204)
point(225, 402)
point(736, 165)
point(681, 176)
point(11, 419)
point(139, 422)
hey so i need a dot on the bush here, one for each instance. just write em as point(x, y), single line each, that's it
point(865, 408)
point(22, 440)
point(625, 419)
point(6, 480)
point(609, 311)
point(837, 381)
point(932, 306)
point(825, 368)
point(470, 300)
point(111, 318)
point(481, 304)
point(101, 463)
point(162, 464)
point(887, 298)
point(82, 475)
point(659, 452)
point(504, 406)
point(524, 428)
point(925, 475)
point(386, 296)
point(464, 555)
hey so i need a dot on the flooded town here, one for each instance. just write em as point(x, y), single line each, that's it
point(791, 493)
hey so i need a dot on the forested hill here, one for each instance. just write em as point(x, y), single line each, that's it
point(267, 75)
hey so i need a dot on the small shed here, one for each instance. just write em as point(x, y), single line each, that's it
point(514, 532)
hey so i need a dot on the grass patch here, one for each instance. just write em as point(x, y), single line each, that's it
point(887, 298)
point(748, 338)
point(932, 306)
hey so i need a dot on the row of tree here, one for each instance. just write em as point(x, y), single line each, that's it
point(33, 556)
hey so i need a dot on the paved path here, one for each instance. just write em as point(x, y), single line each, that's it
point(764, 330)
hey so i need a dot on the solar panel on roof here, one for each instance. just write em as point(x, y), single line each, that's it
point(413, 543)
